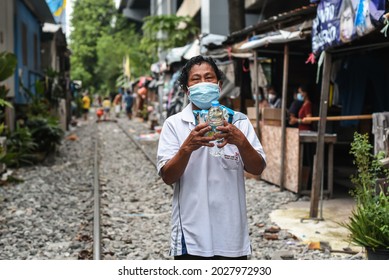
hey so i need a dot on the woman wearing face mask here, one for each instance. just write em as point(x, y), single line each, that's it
point(305, 110)
point(294, 108)
point(273, 98)
point(209, 206)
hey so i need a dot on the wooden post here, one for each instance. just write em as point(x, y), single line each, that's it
point(283, 110)
point(318, 160)
point(256, 93)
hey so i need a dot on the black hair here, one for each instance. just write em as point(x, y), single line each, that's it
point(197, 60)
point(271, 87)
point(304, 88)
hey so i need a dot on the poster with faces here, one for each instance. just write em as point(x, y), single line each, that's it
point(342, 21)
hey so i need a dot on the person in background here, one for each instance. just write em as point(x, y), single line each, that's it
point(262, 102)
point(305, 125)
point(305, 110)
point(129, 100)
point(273, 98)
point(295, 107)
point(106, 107)
point(209, 202)
point(117, 102)
point(99, 101)
point(85, 105)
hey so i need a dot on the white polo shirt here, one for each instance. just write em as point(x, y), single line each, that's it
point(209, 201)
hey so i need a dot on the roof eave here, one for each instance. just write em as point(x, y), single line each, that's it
point(291, 17)
point(41, 10)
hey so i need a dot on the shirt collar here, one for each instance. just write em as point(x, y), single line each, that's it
point(187, 114)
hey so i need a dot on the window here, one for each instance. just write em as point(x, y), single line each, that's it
point(24, 45)
point(35, 52)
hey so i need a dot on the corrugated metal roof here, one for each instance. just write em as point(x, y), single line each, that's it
point(275, 22)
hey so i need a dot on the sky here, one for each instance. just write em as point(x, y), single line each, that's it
point(69, 10)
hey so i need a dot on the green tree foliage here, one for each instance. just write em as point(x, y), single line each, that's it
point(100, 39)
point(8, 64)
point(91, 20)
point(122, 40)
point(166, 31)
point(369, 221)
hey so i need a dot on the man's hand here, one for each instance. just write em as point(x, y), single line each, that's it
point(230, 135)
point(197, 138)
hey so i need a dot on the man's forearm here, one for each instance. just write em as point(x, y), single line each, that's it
point(252, 160)
point(175, 167)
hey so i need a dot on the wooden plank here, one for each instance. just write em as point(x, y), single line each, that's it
point(341, 118)
point(271, 142)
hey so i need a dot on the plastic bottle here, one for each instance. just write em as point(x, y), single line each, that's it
point(215, 118)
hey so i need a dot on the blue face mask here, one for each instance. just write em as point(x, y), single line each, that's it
point(300, 97)
point(202, 94)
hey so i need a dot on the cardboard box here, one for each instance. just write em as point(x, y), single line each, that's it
point(251, 113)
point(272, 116)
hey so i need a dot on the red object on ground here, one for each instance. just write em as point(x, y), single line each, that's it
point(99, 112)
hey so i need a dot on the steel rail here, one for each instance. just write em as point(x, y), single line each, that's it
point(153, 161)
point(96, 215)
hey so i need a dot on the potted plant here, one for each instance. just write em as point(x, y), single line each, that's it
point(369, 221)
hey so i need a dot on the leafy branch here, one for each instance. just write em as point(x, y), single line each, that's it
point(167, 31)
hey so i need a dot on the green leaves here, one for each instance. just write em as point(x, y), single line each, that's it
point(46, 133)
point(112, 48)
point(167, 31)
point(369, 222)
point(8, 64)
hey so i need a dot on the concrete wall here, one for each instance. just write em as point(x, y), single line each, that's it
point(214, 17)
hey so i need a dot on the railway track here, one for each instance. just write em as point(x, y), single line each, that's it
point(124, 208)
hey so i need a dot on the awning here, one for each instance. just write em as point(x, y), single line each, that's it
point(176, 54)
point(41, 10)
point(211, 41)
point(155, 67)
point(193, 50)
point(282, 37)
point(279, 21)
point(50, 28)
point(225, 53)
